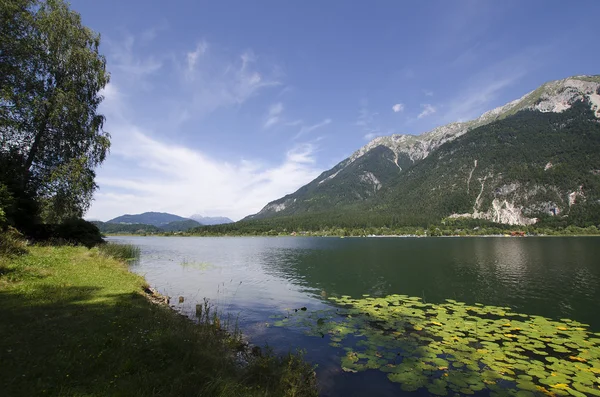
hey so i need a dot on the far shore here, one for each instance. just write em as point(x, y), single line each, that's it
point(370, 236)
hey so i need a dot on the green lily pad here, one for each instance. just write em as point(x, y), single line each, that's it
point(460, 347)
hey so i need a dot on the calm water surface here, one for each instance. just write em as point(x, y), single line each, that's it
point(253, 278)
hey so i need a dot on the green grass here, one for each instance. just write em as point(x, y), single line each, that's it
point(75, 322)
point(120, 251)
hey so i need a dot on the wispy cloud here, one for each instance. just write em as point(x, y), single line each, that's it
point(309, 128)
point(369, 136)
point(169, 171)
point(151, 33)
point(428, 109)
point(482, 91)
point(175, 179)
point(406, 73)
point(213, 80)
point(398, 108)
point(293, 123)
point(273, 115)
point(192, 56)
point(428, 93)
point(124, 59)
point(163, 176)
point(366, 118)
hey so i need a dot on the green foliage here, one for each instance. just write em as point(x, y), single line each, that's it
point(138, 228)
point(365, 224)
point(125, 228)
point(180, 226)
point(51, 134)
point(18, 202)
point(74, 231)
point(158, 219)
point(78, 232)
point(6, 201)
point(511, 151)
point(12, 243)
point(504, 161)
point(452, 348)
point(79, 323)
point(123, 252)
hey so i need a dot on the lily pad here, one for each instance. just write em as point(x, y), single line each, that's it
point(456, 347)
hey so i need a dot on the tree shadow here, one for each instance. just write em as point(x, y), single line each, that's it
point(79, 340)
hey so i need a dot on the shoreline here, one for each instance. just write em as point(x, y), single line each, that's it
point(80, 322)
point(372, 236)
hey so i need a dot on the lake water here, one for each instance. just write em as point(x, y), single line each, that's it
point(260, 281)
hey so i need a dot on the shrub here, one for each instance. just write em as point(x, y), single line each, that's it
point(79, 232)
point(72, 231)
point(12, 242)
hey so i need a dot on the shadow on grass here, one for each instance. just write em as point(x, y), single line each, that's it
point(77, 340)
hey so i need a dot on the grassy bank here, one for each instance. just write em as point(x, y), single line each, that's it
point(76, 322)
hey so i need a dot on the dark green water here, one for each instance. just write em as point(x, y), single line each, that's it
point(254, 278)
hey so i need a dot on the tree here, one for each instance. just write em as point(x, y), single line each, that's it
point(51, 75)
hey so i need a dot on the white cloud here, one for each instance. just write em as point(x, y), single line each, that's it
point(122, 57)
point(163, 176)
point(192, 56)
point(475, 101)
point(371, 135)
point(427, 110)
point(398, 108)
point(150, 169)
point(309, 128)
point(173, 178)
point(428, 93)
point(366, 118)
point(483, 89)
point(273, 115)
point(217, 80)
point(293, 123)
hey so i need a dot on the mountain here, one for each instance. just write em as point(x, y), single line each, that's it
point(180, 226)
point(140, 228)
point(535, 158)
point(130, 228)
point(148, 218)
point(211, 220)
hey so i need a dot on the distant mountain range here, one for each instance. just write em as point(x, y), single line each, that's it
point(535, 158)
point(156, 222)
point(211, 220)
point(148, 218)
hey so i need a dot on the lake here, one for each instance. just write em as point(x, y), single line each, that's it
point(401, 316)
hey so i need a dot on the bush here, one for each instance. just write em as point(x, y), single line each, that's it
point(72, 231)
point(12, 242)
point(79, 232)
point(6, 201)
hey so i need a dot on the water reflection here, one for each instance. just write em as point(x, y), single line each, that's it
point(254, 278)
point(554, 277)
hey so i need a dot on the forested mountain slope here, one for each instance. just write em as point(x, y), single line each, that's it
point(516, 171)
point(535, 157)
point(157, 219)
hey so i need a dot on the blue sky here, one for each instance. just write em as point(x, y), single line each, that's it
point(217, 107)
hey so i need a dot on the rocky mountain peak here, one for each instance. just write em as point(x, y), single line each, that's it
point(554, 96)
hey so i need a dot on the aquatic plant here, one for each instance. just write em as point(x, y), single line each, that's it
point(453, 347)
point(126, 252)
point(197, 265)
